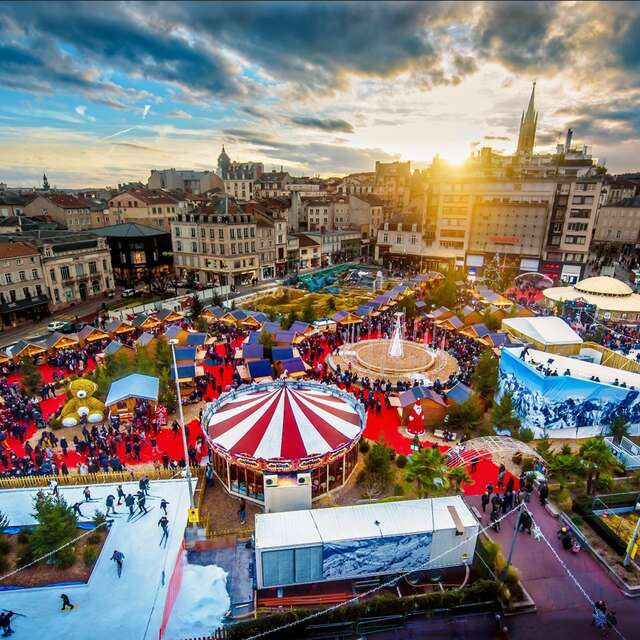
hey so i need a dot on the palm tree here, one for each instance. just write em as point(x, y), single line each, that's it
point(460, 476)
point(596, 459)
point(564, 468)
point(425, 467)
point(619, 429)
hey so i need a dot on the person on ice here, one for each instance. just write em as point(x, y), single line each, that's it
point(5, 623)
point(130, 501)
point(118, 557)
point(87, 494)
point(163, 505)
point(110, 502)
point(121, 495)
point(164, 523)
point(141, 502)
point(66, 602)
point(53, 486)
point(76, 509)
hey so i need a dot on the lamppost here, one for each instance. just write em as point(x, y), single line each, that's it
point(184, 433)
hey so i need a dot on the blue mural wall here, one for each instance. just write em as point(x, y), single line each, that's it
point(544, 403)
point(392, 554)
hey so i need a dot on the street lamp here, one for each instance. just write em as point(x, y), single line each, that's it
point(182, 429)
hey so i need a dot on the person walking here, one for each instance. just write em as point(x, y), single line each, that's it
point(544, 493)
point(141, 503)
point(129, 502)
point(118, 557)
point(495, 519)
point(485, 501)
point(87, 494)
point(121, 494)
point(110, 501)
point(163, 505)
point(66, 602)
point(502, 472)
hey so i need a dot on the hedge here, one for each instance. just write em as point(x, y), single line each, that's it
point(383, 605)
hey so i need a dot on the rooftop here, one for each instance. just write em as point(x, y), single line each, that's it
point(129, 230)
point(17, 249)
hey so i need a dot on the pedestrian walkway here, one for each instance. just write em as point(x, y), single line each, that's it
point(562, 610)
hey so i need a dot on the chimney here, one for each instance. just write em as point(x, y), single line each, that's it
point(567, 143)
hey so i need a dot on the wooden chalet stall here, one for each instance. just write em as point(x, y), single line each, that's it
point(452, 323)
point(212, 314)
point(60, 342)
point(295, 368)
point(186, 365)
point(470, 316)
point(475, 331)
point(118, 328)
point(167, 316)
point(303, 328)
point(146, 322)
point(144, 339)
point(24, 350)
point(91, 334)
point(125, 393)
point(5, 358)
point(434, 406)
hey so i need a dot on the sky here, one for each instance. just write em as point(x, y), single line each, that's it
point(100, 93)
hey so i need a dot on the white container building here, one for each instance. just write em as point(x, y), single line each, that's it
point(340, 543)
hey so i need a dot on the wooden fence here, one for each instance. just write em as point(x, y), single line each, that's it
point(26, 482)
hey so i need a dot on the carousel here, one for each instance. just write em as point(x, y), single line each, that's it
point(283, 428)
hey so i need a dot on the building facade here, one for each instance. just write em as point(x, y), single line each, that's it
point(190, 181)
point(23, 291)
point(67, 210)
point(155, 208)
point(619, 223)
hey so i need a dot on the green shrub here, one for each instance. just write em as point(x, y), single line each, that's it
point(401, 461)
point(398, 489)
point(65, 558)
point(99, 518)
point(23, 536)
point(25, 556)
point(525, 434)
point(5, 547)
point(4, 564)
point(90, 555)
point(364, 446)
point(94, 538)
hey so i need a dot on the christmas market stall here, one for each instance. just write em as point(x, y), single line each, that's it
point(131, 395)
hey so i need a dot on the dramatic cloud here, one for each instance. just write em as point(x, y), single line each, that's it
point(328, 124)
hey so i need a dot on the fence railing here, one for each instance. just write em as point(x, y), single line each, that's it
point(26, 482)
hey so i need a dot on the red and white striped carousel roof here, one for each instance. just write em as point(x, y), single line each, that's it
point(284, 422)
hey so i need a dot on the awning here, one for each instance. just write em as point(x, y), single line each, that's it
point(23, 305)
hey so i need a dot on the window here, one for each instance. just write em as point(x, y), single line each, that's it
point(233, 248)
point(177, 232)
point(26, 293)
point(194, 247)
point(7, 278)
point(56, 295)
point(179, 245)
point(80, 270)
point(22, 275)
point(193, 232)
point(232, 233)
point(220, 234)
point(38, 289)
point(104, 265)
point(34, 274)
point(93, 267)
point(221, 249)
point(52, 275)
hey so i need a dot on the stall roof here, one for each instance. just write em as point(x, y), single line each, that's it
point(310, 527)
point(172, 332)
point(116, 323)
point(55, 337)
point(300, 326)
point(253, 337)
point(285, 336)
point(145, 339)
point(498, 339)
point(253, 351)
point(293, 365)
point(85, 332)
point(281, 353)
point(272, 327)
point(239, 314)
point(411, 396)
point(136, 385)
point(113, 347)
point(218, 312)
point(259, 316)
point(547, 330)
point(459, 393)
point(163, 314)
point(480, 329)
point(184, 371)
point(185, 354)
point(196, 339)
point(259, 368)
point(364, 311)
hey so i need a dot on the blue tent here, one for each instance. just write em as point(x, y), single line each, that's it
point(185, 354)
point(260, 368)
point(281, 353)
point(196, 339)
point(299, 326)
point(253, 337)
point(253, 351)
point(293, 365)
point(184, 371)
point(135, 385)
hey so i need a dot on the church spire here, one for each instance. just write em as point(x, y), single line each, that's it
point(528, 126)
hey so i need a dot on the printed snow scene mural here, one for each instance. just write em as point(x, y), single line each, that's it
point(393, 554)
point(564, 406)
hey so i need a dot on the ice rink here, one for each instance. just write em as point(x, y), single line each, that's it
point(106, 607)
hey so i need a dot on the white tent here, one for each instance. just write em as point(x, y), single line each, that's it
point(547, 330)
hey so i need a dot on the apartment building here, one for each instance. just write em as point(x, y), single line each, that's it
point(217, 241)
point(153, 207)
point(392, 182)
point(71, 212)
point(23, 293)
point(357, 184)
point(618, 223)
point(309, 253)
point(189, 181)
point(272, 235)
point(76, 268)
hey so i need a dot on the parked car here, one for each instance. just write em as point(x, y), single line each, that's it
point(56, 325)
point(128, 293)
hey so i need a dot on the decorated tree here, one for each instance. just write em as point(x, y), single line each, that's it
point(31, 377)
point(57, 525)
point(308, 312)
point(485, 377)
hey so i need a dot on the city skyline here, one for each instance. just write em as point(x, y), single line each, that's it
point(99, 94)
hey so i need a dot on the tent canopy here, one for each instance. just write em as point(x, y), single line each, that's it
point(185, 354)
point(135, 385)
point(196, 339)
point(260, 368)
point(253, 351)
point(459, 393)
point(281, 353)
point(547, 330)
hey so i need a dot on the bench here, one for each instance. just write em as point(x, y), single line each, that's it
point(552, 509)
point(476, 513)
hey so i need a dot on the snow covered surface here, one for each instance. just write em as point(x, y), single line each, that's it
point(129, 608)
point(201, 603)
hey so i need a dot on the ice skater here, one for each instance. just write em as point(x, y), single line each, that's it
point(110, 502)
point(53, 486)
point(66, 602)
point(141, 503)
point(87, 494)
point(164, 523)
point(5, 623)
point(121, 494)
point(163, 505)
point(118, 557)
point(76, 509)
point(130, 502)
